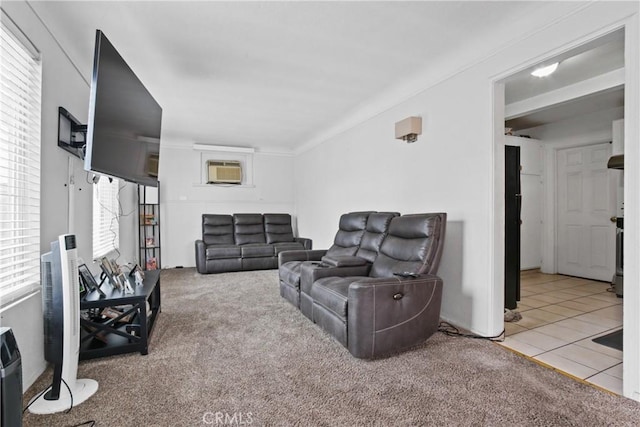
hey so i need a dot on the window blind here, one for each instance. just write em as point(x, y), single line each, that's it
point(106, 215)
point(20, 109)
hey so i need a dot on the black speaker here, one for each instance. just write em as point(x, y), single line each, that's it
point(10, 380)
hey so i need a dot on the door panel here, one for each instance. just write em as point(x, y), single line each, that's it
point(574, 192)
point(586, 201)
point(573, 245)
point(599, 190)
point(599, 255)
point(530, 252)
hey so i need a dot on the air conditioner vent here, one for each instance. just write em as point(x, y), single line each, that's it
point(224, 172)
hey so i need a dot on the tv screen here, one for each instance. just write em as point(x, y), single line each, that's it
point(123, 133)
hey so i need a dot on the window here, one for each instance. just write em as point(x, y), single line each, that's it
point(20, 105)
point(106, 216)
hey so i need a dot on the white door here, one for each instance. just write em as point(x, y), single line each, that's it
point(586, 203)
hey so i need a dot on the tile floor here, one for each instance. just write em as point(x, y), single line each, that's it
point(560, 317)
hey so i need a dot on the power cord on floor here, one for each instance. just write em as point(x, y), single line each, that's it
point(450, 330)
point(46, 390)
point(70, 395)
point(89, 423)
point(37, 397)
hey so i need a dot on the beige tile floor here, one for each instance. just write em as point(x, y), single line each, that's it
point(560, 317)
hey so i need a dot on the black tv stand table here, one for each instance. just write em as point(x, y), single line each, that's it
point(106, 337)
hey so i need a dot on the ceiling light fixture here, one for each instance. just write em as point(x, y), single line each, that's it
point(544, 71)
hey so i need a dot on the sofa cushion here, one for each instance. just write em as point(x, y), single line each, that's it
point(277, 228)
point(410, 246)
point(332, 293)
point(248, 228)
point(349, 235)
point(222, 251)
point(256, 250)
point(374, 234)
point(217, 229)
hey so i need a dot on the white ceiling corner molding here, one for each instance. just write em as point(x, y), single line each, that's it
point(223, 148)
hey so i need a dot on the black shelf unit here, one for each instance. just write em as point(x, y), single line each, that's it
point(149, 227)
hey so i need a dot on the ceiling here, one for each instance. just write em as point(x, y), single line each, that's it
point(271, 74)
point(589, 61)
point(277, 74)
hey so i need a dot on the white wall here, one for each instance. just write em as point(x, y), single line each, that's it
point(444, 171)
point(450, 168)
point(184, 197)
point(63, 86)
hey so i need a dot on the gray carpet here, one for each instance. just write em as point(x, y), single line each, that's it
point(228, 344)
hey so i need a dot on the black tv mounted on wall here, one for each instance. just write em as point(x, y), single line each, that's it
point(123, 134)
point(122, 137)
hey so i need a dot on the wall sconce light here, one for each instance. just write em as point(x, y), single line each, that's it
point(409, 129)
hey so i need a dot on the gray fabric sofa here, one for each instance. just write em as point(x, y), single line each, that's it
point(375, 290)
point(242, 242)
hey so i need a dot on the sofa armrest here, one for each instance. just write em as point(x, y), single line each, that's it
point(310, 275)
point(201, 257)
point(307, 243)
point(314, 255)
point(390, 314)
point(344, 261)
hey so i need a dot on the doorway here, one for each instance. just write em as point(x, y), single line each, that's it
point(575, 234)
point(631, 187)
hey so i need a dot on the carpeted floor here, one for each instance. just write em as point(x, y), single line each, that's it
point(227, 350)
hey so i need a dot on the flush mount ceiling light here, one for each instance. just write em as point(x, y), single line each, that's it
point(544, 71)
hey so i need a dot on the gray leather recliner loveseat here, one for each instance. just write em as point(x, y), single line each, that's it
point(375, 290)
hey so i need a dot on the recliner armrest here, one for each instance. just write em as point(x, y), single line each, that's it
point(314, 255)
point(392, 313)
point(310, 275)
point(307, 243)
point(201, 257)
point(343, 261)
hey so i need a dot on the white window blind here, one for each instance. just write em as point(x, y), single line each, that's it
point(20, 106)
point(106, 215)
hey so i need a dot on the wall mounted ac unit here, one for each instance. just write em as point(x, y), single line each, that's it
point(224, 172)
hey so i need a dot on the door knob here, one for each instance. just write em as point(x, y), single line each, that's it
point(613, 219)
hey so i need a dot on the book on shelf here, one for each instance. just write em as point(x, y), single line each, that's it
point(149, 219)
point(113, 313)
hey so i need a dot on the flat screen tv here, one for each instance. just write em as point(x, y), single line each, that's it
point(123, 133)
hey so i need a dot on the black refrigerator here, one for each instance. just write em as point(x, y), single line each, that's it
point(512, 209)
